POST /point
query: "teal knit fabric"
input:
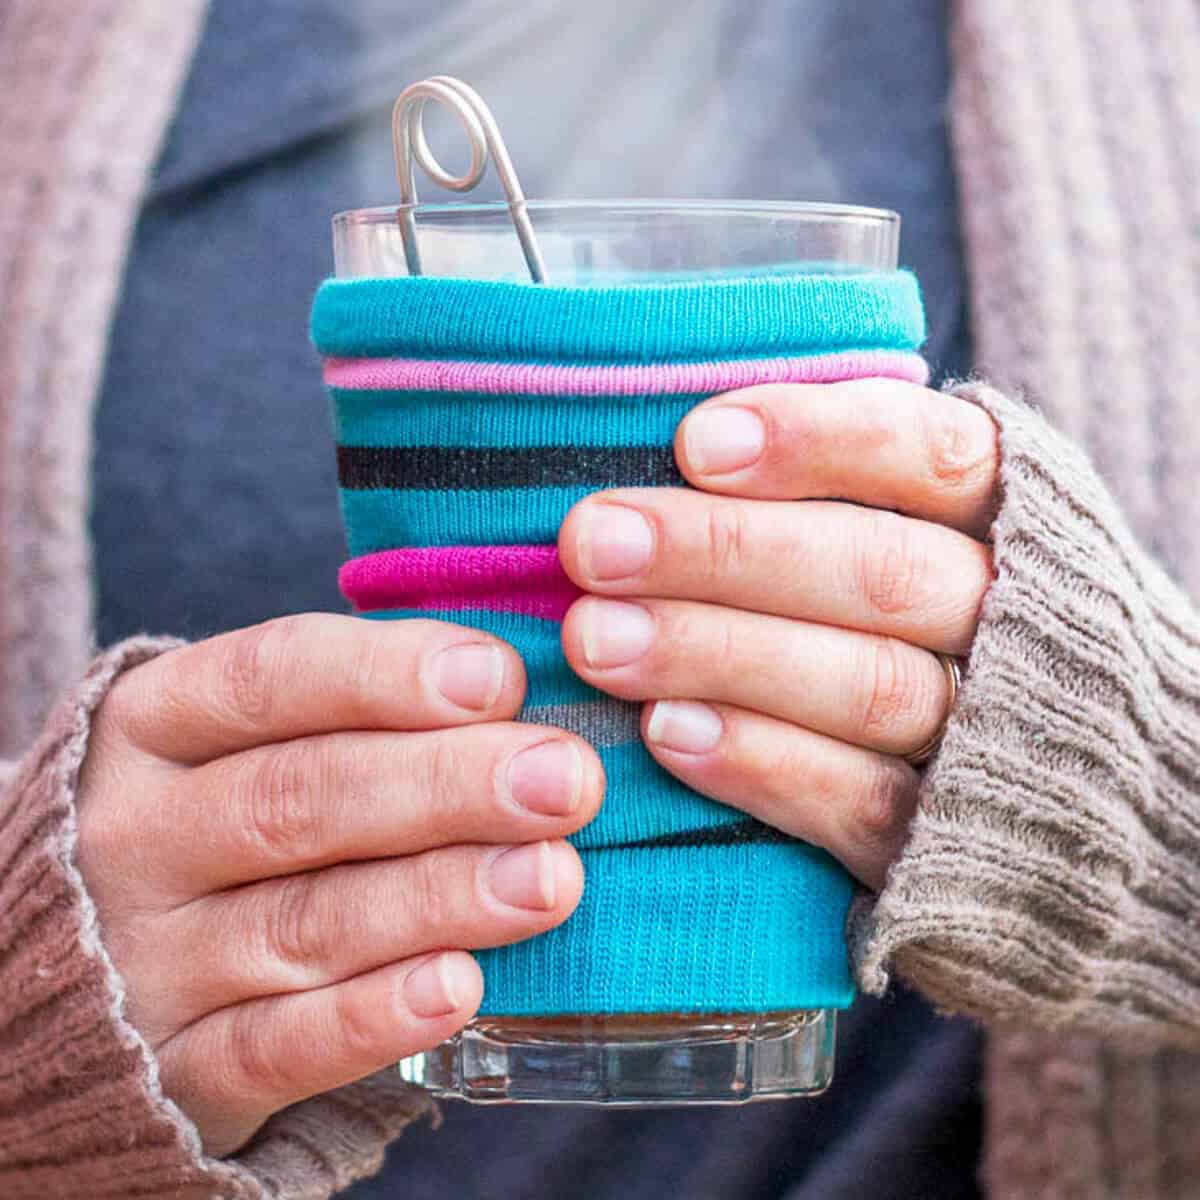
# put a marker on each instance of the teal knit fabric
(688, 905)
(722, 317)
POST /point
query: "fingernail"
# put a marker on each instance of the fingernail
(719, 440)
(615, 633)
(685, 726)
(547, 778)
(524, 877)
(470, 675)
(436, 987)
(614, 542)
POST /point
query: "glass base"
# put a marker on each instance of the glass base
(632, 1060)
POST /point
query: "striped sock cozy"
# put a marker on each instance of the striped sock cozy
(470, 416)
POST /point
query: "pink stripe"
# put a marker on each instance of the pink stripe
(517, 579)
(548, 379)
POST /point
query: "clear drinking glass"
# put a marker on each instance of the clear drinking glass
(653, 1058)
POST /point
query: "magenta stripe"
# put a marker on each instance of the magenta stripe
(519, 579)
(547, 379)
(549, 606)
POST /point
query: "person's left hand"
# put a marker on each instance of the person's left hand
(788, 625)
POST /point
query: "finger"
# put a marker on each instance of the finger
(879, 442)
(311, 802)
(233, 1069)
(868, 690)
(855, 803)
(314, 673)
(306, 931)
(813, 560)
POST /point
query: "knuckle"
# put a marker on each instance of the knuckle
(249, 668)
(374, 663)
(723, 647)
(690, 645)
(118, 714)
(279, 811)
(879, 812)
(890, 688)
(952, 614)
(137, 703)
(958, 450)
(104, 836)
(890, 570)
(769, 763)
(254, 1068)
(120, 864)
(777, 772)
(427, 889)
(298, 932)
(358, 1029)
(726, 539)
(448, 782)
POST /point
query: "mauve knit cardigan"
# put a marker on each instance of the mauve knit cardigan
(1053, 870)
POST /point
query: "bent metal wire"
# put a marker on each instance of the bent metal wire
(483, 137)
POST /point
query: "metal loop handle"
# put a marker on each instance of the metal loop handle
(483, 137)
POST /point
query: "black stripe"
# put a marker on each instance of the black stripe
(452, 468)
(739, 833)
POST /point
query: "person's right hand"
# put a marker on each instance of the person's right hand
(293, 833)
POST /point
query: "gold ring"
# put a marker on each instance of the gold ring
(954, 677)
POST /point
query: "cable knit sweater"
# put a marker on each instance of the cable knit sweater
(1050, 883)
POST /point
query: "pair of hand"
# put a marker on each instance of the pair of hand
(294, 833)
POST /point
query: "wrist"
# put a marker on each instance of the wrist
(1046, 876)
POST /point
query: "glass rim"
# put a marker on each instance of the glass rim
(812, 210)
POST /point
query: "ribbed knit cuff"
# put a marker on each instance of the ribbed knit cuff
(81, 1112)
(692, 928)
(639, 323)
(1050, 876)
(81, 1109)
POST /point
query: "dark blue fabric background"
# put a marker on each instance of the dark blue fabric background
(215, 499)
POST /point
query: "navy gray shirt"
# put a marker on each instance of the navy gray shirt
(215, 494)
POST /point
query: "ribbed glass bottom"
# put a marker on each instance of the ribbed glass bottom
(632, 1060)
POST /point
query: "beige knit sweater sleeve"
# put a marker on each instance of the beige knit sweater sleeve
(1052, 875)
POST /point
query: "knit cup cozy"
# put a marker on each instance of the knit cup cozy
(469, 417)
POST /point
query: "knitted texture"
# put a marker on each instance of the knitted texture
(1077, 147)
(548, 379)
(77, 138)
(1050, 876)
(82, 1112)
(456, 471)
(1077, 155)
(1075, 739)
(513, 579)
(716, 318)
